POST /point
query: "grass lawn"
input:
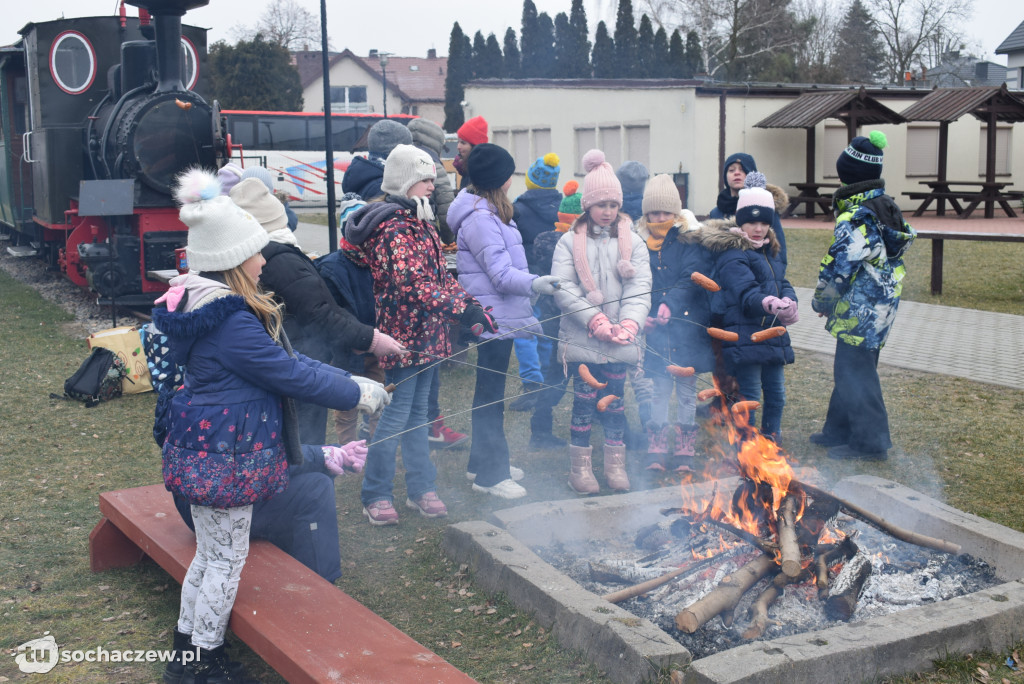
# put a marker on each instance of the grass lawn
(957, 440)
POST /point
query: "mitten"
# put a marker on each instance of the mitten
(789, 315)
(664, 314)
(478, 320)
(772, 305)
(545, 285)
(826, 295)
(601, 327)
(650, 324)
(627, 332)
(372, 395)
(352, 457)
(385, 345)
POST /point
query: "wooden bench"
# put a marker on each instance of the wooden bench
(938, 238)
(300, 624)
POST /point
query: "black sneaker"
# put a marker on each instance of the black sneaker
(547, 441)
(821, 439)
(845, 452)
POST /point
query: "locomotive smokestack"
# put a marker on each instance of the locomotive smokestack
(167, 20)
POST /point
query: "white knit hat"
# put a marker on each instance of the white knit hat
(252, 195)
(405, 167)
(661, 194)
(221, 235)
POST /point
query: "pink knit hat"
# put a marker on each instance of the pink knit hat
(600, 183)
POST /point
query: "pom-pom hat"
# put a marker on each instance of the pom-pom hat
(543, 175)
(661, 194)
(473, 131)
(862, 159)
(569, 208)
(386, 135)
(405, 167)
(221, 235)
(489, 166)
(755, 203)
(600, 184)
(253, 196)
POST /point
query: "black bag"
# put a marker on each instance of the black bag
(97, 379)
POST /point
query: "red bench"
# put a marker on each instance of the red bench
(301, 625)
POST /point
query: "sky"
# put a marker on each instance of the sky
(410, 27)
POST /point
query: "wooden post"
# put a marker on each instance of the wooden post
(940, 205)
(937, 245)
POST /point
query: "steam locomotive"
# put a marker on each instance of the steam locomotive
(97, 117)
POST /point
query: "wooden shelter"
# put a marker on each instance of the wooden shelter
(989, 104)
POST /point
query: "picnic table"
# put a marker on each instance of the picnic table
(810, 194)
(970, 193)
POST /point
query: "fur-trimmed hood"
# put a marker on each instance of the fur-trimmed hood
(717, 236)
(780, 196)
(686, 222)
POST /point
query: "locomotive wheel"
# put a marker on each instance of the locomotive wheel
(108, 280)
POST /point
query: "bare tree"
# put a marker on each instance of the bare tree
(816, 56)
(912, 29)
(285, 23)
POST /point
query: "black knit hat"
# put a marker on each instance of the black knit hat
(489, 166)
(862, 159)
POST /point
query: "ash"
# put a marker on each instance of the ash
(903, 576)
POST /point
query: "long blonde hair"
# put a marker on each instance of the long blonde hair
(499, 198)
(262, 303)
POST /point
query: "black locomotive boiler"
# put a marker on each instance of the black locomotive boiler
(97, 117)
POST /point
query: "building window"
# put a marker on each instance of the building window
(348, 99)
(586, 139)
(499, 136)
(541, 143)
(1004, 138)
(638, 144)
(835, 142)
(922, 151)
(521, 150)
(611, 145)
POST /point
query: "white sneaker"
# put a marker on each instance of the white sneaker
(517, 474)
(506, 489)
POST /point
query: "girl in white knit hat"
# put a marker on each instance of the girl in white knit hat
(605, 295)
(230, 434)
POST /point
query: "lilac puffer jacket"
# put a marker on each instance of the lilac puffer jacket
(492, 265)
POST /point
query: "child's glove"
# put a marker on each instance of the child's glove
(773, 305)
(385, 345)
(626, 332)
(790, 314)
(826, 295)
(664, 314)
(372, 395)
(352, 457)
(478, 320)
(601, 328)
(545, 285)
(650, 324)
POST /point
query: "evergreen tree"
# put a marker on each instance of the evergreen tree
(677, 56)
(661, 66)
(254, 74)
(603, 56)
(459, 71)
(625, 41)
(563, 43)
(512, 66)
(529, 41)
(579, 51)
(645, 59)
(860, 51)
(494, 56)
(487, 60)
(693, 62)
(545, 63)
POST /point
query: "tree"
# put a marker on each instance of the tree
(661, 67)
(545, 57)
(459, 71)
(625, 41)
(487, 59)
(646, 60)
(603, 56)
(254, 74)
(563, 44)
(677, 57)
(694, 58)
(579, 50)
(910, 30)
(285, 23)
(816, 57)
(511, 59)
(529, 40)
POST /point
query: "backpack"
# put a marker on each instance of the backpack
(97, 379)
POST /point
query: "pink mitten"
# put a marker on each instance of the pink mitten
(352, 456)
(664, 314)
(789, 315)
(650, 324)
(627, 332)
(601, 327)
(772, 305)
(385, 345)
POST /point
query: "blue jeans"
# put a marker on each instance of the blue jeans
(753, 379)
(529, 360)
(407, 411)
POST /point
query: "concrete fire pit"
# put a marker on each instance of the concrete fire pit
(632, 649)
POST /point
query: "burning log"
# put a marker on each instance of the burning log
(644, 587)
(842, 599)
(758, 611)
(823, 561)
(788, 545)
(726, 595)
(883, 524)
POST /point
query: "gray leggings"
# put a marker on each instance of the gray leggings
(208, 592)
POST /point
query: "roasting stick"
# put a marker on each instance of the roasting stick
(644, 587)
(881, 523)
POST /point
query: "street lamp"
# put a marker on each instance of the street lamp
(383, 56)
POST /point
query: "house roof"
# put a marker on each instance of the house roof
(1013, 42)
(949, 104)
(810, 108)
(957, 71)
(414, 79)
